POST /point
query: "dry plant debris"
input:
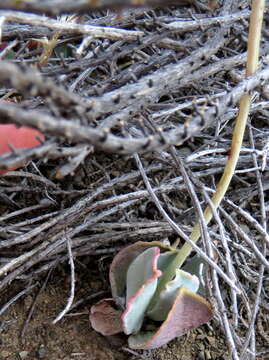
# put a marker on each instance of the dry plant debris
(115, 84)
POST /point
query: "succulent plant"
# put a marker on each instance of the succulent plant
(153, 301)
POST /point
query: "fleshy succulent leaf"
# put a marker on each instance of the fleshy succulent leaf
(105, 319)
(141, 281)
(188, 312)
(167, 297)
(197, 266)
(163, 263)
(165, 259)
(142, 269)
(147, 284)
(120, 264)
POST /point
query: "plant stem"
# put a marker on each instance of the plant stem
(254, 36)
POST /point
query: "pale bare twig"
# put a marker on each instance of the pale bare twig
(208, 21)
(72, 282)
(179, 231)
(72, 27)
(251, 335)
(111, 143)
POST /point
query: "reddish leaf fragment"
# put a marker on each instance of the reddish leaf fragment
(105, 319)
(18, 138)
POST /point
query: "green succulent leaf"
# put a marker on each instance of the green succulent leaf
(121, 263)
(141, 283)
(197, 266)
(147, 284)
(167, 297)
(165, 259)
(169, 273)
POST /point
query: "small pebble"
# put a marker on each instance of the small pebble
(23, 354)
(41, 352)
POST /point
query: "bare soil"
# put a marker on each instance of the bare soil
(73, 339)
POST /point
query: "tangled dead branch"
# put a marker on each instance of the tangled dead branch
(170, 76)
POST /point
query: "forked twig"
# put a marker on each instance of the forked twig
(94, 31)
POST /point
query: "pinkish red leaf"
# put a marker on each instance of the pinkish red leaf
(188, 312)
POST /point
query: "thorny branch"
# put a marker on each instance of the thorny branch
(56, 7)
(105, 141)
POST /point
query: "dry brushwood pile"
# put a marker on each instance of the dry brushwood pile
(119, 94)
